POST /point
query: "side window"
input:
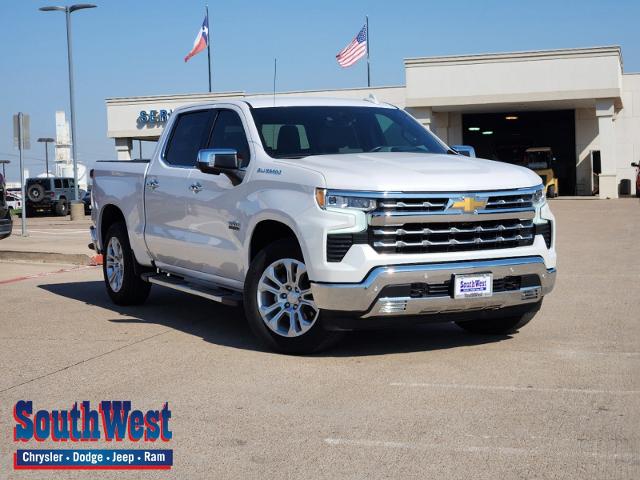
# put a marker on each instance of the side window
(57, 183)
(229, 133)
(65, 183)
(189, 135)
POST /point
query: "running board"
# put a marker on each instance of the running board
(221, 295)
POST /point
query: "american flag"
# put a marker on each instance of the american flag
(355, 50)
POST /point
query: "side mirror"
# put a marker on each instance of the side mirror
(635, 165)
(218, 160)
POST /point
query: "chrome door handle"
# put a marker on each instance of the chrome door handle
(195, 187)
(153, 184)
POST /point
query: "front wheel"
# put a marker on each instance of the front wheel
(124, 286)
(279, 304)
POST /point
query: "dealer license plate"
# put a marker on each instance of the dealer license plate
(473, 286)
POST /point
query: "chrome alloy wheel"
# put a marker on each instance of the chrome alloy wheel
(285, 302)
(115, 264)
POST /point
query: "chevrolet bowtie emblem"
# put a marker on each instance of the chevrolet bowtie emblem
(469, 204)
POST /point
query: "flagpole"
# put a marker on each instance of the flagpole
(368, 64)
(206, 8)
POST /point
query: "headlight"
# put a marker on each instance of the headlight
(326, 199)
(539, 198)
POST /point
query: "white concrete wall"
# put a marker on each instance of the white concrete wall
(586, 141)
(627, 129)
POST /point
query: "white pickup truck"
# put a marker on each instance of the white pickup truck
(323, 216)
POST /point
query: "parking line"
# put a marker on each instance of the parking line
(513, 388)
(45, 274)
(631, 457)
(60, 231)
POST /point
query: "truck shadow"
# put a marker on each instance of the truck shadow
(227, 326)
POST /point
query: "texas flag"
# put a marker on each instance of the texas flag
(202, 39)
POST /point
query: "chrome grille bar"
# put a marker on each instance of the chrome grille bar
(452, 242)
(451, 230)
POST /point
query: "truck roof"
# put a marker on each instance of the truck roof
(265, 101)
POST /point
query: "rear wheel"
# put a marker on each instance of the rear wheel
(279, 304)
(124, 286)
(498, 326)
(62, 208)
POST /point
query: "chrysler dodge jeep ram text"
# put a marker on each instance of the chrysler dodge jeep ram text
(323, 216)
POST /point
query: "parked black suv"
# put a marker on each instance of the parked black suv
(5, 215)
(51, 194)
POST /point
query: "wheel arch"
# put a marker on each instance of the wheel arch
(109, 215)
(266, 232)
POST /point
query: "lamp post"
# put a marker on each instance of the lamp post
(4, 163)
(68, 10)
(46, 141)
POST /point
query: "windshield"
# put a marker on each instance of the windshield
(296, 132)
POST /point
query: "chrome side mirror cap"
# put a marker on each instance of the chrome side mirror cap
(218, 160)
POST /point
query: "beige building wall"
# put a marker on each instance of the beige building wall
(627, 128)
(439, 90)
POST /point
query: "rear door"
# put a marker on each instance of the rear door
(213, 203)
(167, 189)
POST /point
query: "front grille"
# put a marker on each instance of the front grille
(501, 202)
(451, 236)
(413, 205)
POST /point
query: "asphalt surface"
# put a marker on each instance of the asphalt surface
(560, 399)
(49, 239)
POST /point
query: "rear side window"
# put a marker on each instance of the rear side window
(228, 132)
(189, 135)
(57, 183)
(65, 183)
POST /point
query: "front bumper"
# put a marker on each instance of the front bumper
(94, 239)
(365, 299)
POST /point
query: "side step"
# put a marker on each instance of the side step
(221, 295)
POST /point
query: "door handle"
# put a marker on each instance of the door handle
(196, 187)
(153, 184)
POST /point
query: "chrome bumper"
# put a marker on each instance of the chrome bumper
(364, 296)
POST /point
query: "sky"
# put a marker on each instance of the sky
(132, 48)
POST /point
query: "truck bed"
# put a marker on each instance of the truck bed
(121, 183)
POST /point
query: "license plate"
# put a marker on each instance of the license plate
(473, 286)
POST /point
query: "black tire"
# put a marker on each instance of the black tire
(134, 290)
(499, 326)
(62, 208)
(35, 193)
(313, 340)
(551, 191)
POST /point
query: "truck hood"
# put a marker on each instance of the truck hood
(420, 172)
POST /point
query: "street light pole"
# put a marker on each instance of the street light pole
(68, 10)
(4, 162)
(46, 141)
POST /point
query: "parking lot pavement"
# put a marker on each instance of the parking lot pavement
(49, 239)
(560, 399)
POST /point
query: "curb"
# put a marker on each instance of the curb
(49, 257)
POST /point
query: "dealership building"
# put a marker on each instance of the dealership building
(579, 102)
